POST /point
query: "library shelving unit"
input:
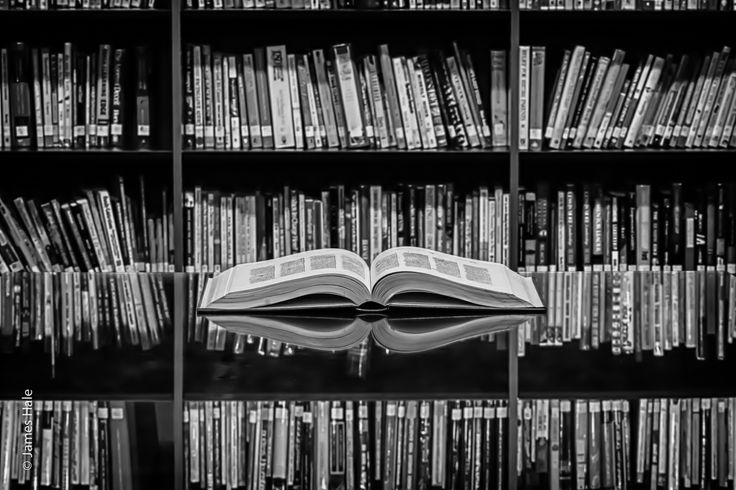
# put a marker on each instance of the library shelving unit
(467, 370)
(141, 379)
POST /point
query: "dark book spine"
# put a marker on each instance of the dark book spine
(20, 97)
(571, 227)
(117, 122)
(142, 99)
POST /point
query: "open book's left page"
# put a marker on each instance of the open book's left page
(330, 272)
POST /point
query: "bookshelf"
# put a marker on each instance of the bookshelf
(179, 376)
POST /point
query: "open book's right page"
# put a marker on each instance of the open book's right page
(449, 276)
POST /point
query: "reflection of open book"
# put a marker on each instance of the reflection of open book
(398, 277)
(403, 335)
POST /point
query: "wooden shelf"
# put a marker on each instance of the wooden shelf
(290, 396)
(640, 152)
(68, 14)
(74, 396)
(74, 153)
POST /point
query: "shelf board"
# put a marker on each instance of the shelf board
(342, 152)
(626, 394)
(333, 157)
(524, 395)
(75, 152)
(87, 157)
(228, 14)
(607, 14)
(641, 152)
(115, 14)
(291, 396)
(314, 169)
(128, 397)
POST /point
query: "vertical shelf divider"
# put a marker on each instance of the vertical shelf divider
(179, 276)
(513, 220)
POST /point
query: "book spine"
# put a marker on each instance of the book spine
(536, 97)
(280, 98)
(524, 96)
(117, 103)
(103, 116)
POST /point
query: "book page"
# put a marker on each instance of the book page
(474, 273)
(258, 275)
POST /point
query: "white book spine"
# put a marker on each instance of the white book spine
(227, 104)
(295, 102)
(422, 100)
(524, 79)
(347, 82)
(198, 96)
(280, 95)
(112, 232)
(724, 107)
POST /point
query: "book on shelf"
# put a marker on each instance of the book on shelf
(224, 229)
(349, 4)
(345, 444)
(628, 5)
(68, 311)
(562, 443)
(634, 312)
(336, 98)
(71, 98)
(645, 227)
(79, 271)
(622, 101)
(100, 230)
(68, 444)
(647, 268)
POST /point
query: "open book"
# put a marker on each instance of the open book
(398, 277)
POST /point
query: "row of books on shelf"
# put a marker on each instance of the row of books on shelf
(67, 444)
(94, 308)
(636, 312)
(222, 230)
(561, 227)
(350, 4)
(583, 444)
(101, 229)
(643, 227)
(625, 313)
(627, 5)
(620, 101)
(67, 97)
(272, 99)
